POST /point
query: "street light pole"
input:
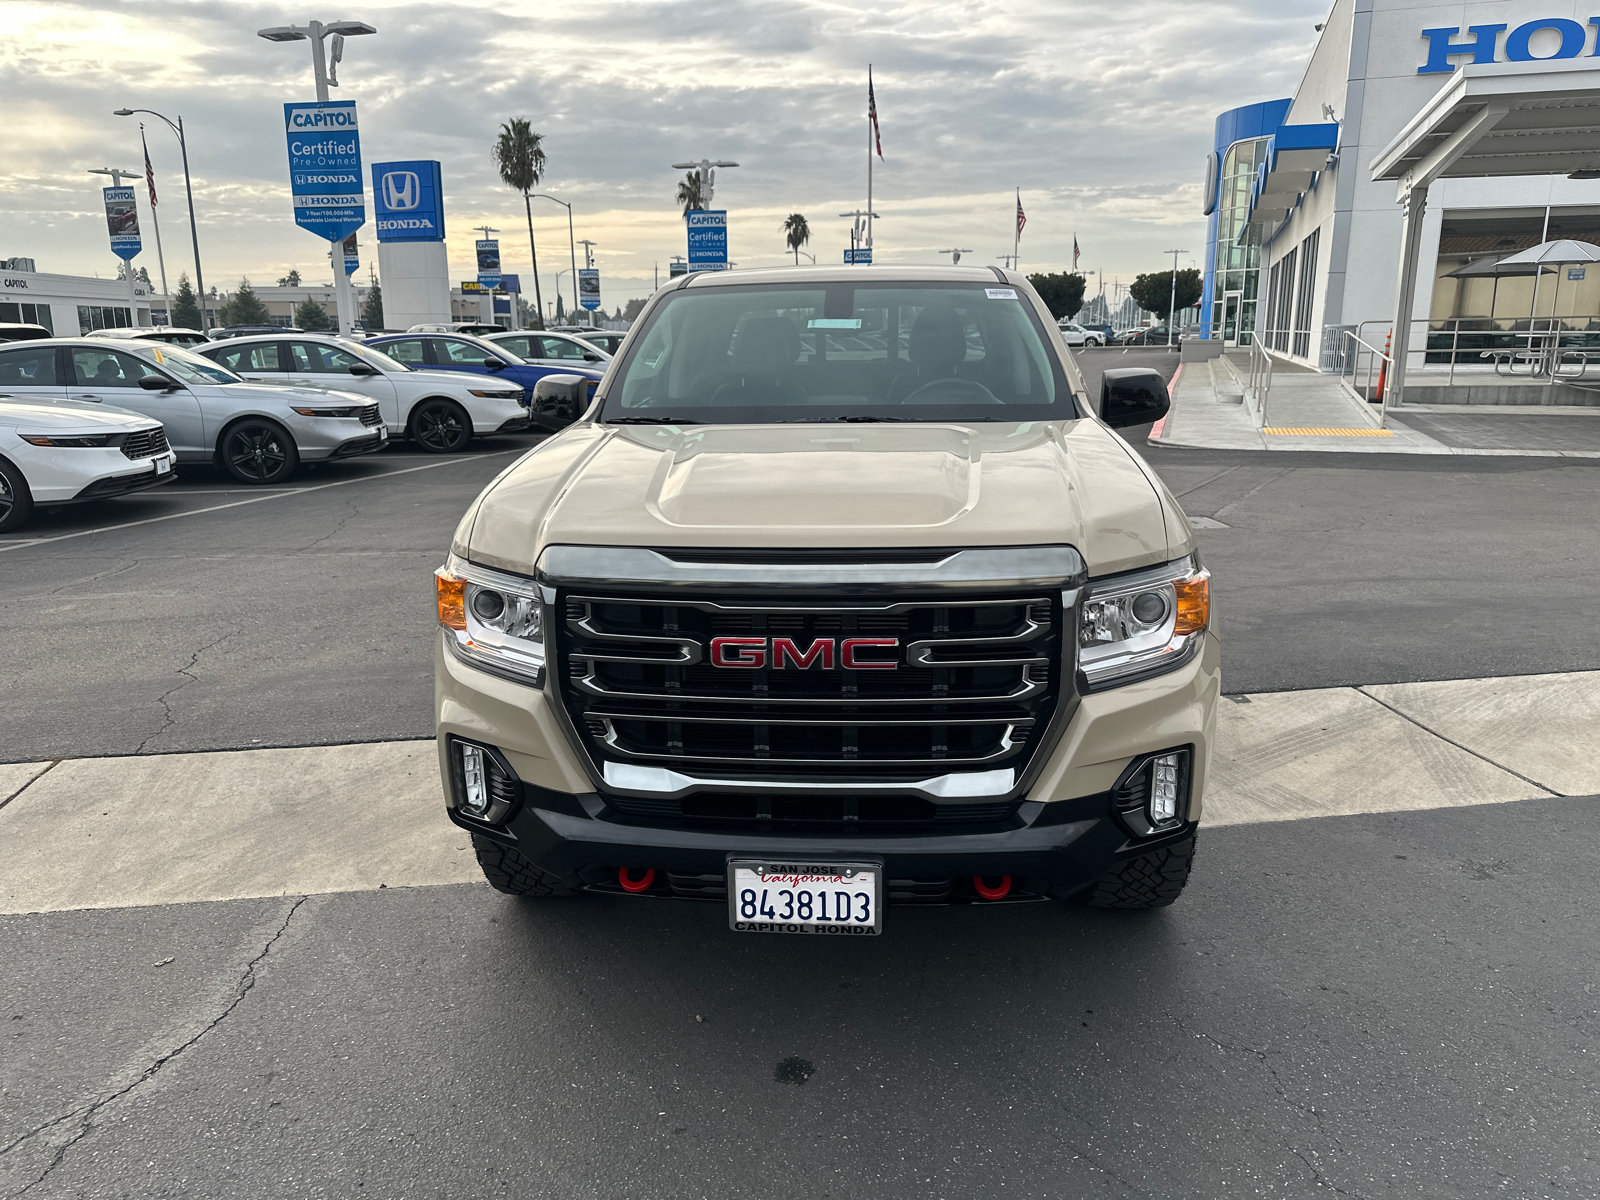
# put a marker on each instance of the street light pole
(314, 32)
(1173, 299)
(708, 176)
(188, 188)
(127, 263)
(572, 248)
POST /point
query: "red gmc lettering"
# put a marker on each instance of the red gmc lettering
(785, 648)
(747, 652)
(848, 660)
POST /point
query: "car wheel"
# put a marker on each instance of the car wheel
(256, 450)
(1152, 880)
(510, 871)
(16, 500)
(440, 426)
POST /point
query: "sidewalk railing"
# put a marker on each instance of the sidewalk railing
(1365, 369)
(1258, 382)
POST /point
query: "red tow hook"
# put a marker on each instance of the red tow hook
(988, 893)
(629, 884)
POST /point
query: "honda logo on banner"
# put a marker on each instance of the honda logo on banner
(402, 191)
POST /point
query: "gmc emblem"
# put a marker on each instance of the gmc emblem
(754, 653)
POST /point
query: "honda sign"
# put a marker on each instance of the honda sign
(408, 201)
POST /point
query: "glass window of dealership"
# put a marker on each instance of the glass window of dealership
(1296, 257)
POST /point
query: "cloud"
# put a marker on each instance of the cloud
(1100, 117)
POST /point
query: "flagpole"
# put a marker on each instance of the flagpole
(869, 163)
(1016, 237)
(155, 223)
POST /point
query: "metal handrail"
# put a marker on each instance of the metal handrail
(1378, 366)
(1259, 380)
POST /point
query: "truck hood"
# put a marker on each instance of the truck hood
(828, 486)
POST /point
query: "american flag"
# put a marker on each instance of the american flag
(149, 171)
(872, 114)
(1022, 217)
(1074, 252)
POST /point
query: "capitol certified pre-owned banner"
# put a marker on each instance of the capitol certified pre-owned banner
(708, 239)
(589, 287)
(122, 220)
(325, 168)
(489, 263)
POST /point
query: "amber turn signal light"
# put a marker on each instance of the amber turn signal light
(451, 593)
(1194, 603)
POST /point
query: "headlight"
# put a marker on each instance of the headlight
(494, 620)
(353, 410)
(496, 395)
(1143, 624)
(92, 439)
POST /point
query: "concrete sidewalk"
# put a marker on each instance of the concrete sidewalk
(1305, 410)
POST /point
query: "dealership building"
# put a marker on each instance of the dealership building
(1423, 140)
(69, 305)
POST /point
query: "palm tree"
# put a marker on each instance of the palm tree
(796, 233)
(519, 157)
(689, 192)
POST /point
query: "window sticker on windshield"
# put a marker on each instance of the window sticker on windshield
(834, 323)
(1000, 293)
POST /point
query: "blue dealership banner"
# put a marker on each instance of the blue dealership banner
(708, 239)
(352, 255)
(408, 201)
(122, 221)
(589, 287)
(858, 257)
(489, 262)
(325, 168)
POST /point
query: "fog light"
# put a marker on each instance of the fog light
(1152, 796)
(1164, 788)
(485, 786)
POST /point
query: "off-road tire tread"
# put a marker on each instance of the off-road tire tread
(1152, 880)
(508, 870)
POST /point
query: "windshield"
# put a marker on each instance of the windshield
(771, 353)
(374, 356)
(189, 367)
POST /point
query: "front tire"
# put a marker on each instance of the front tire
(1152, 880)
(16, 500)
(510, 871)
(440, 426)
(258, 451)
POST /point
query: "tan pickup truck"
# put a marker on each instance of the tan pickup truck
(839, 594)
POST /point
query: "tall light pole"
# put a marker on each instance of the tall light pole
(314, 32)
(188, 187)
(127, 263)
(1008, 259)
(572, 247)
(858, 230)
(708, 176)
(955, 256)
(1172, 317)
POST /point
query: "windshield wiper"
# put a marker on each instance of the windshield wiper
(652, 421)
(853, 417)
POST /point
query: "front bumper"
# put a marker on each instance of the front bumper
(322, 438)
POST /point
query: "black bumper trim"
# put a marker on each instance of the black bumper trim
(118, 485)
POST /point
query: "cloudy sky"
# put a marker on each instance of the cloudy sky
(1101, 113)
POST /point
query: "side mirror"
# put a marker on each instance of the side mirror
(363, 369)
(494, 364)
(157, 383)
(590, 356)
(559, 400)
(1132, 396)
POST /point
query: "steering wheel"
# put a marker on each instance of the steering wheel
(974, 390)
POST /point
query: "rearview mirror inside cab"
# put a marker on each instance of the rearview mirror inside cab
(1132, 396)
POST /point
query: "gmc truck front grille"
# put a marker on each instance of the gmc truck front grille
(810, 688)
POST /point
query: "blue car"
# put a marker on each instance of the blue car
(465, 352)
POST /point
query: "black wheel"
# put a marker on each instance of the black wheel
(508, 870)
(1153, 880)
(16, 501)
(256, 450)
(440, 426)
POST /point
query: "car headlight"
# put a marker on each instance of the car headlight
(499, 394)
(82, 440)
(493, 620)
(349, 410)
(1143, 624)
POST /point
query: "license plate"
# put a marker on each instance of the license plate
(383, 433)
(163, 465)
(844, 899)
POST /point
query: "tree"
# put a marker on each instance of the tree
(632, 311)
(519, 156)
(245, 308)
(184, 311)
(796, 233)
(292, 279)
(689, 193)
(1153, 291)
(308, 314)
(561, 309)
(1062, 293)
(372, 310)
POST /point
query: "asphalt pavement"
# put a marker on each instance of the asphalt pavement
(1384, 1004)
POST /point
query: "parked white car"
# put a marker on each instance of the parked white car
(1076, 335)
(64, 453)
(439, 410)
(169, 334)
(549, 348)
(259, 433)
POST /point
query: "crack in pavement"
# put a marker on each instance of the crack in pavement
(1430, 731)
(85, 1113)
(169, 720)
(50, 766)
(337, 529)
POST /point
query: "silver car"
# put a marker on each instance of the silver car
(259, 432)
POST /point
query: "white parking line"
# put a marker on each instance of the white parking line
(178, 828)
(278, 495)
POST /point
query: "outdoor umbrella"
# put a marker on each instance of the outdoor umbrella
(1498, 268)
(1562, 252)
